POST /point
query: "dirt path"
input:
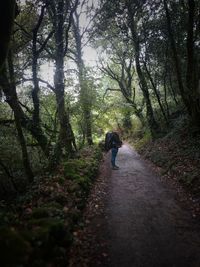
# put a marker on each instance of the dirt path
(139, 225)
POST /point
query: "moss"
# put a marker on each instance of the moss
(47, 229)
(59, 197)
(52, 209)
(50, 239)
(47, 232)
(40, 213)
(143, 141)
(14, 248)
(81, 171)
(53, 205)
(74, 187)
(61, 180)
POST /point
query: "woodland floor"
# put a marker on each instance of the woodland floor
(134, 218)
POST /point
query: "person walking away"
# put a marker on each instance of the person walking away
(116, 143)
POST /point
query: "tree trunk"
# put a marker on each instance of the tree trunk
(190, 95)
(35, 55)
(127, 123)
(12, 100)
(143, 84)
(25, 157)
(192, 85)
(172, 89)
(176, 59)
(65, 135)
(26, 161)
(165, 97)
(156, 93)
(85, 99)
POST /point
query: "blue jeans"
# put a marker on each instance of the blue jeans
(114, 152)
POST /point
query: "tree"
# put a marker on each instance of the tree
(7, 14)
(85, 99)
(126, 16)
(9, 89)
(121, 69)
(189, 90)
(60, 13)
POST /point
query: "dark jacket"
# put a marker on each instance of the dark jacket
(115, 140)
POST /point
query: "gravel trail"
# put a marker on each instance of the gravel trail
(141, 225)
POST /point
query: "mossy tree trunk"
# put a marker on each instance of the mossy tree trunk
(153, 125)
(12, 99)
(85, 97)
(190, 93)
(59, 13)
(22, 141)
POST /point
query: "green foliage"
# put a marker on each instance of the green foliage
(41, 207)
(49, 238)
(143, 141)
(11, 157)
(48, 232)
(38, 226)
(84, 169)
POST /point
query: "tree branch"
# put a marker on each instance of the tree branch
(3, 122)
(69, 26)
(110, 89)
(27, 108)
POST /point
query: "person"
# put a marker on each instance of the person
(116, 143)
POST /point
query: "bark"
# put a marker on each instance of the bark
(165, 98)
(11, 178)
(36, 122)
(176, 59)
(26, 161)
(25, 157)
(172, 89)
(125, 87)
(156, 93)
(65, 134)
(190, 94)
(143, 84)
(192, 86)
(12, 100)
(35, 55)
(85, 99)
(137, 111)
(127, 123)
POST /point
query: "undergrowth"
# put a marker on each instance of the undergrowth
(177, 154)
(36, 229)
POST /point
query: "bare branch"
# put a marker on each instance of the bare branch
(47, 83)
(45, 42)
(24, 106)
(39, 79)
(110, 89)
(69, 25)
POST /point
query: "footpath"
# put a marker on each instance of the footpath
(133, 219)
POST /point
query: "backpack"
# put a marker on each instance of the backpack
(108, 141)
(112, 140)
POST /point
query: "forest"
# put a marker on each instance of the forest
(70, 71)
